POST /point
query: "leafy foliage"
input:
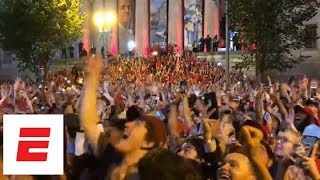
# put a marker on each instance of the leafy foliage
(34, 29)
(275, 27)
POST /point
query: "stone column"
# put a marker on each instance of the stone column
(95, 41)
(88, 27)
(216, 18)
(142, 27)
(211, 18)
(112, 6)
(175, 25)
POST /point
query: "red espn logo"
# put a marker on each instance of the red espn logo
(24, 146)
(33, 144)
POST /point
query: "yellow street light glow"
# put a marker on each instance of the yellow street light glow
(110, 18)
(104, 18)
(98, 19)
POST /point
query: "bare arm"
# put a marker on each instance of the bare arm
(207, 134)
(88, 110)
(253, 137)
(173, 126)
(29, 103)
(277, 101)
(106, 93)
(270, 85)
(187, 113)
(2, 100)
(4, 94)
(109, 98)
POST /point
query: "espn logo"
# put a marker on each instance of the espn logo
(23, 153)
(33, 145)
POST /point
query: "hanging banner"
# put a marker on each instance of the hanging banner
(193, 22)
(158, 23)
(126, 25)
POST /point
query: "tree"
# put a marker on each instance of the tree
(271, 31)
(35, 29)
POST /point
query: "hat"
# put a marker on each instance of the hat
(312, 130)
(133, 113)
(156, 130)
(312, 114)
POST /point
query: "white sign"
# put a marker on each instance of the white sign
(33, 145)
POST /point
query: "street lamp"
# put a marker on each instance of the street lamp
(104, 21)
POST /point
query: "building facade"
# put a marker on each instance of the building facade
(162, 22)
(311, 66)
(150, 21)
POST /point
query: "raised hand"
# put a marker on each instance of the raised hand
(260, 91)
(94, 67)
(105, 86)
(23, 85)
(305, 82)
(177, 98)
(17, 84)
(4, 92)
(269, 80)
(309, 163)
(207, 129)
(252, 137)
(23, 93)
(291, 116)
(275, 96)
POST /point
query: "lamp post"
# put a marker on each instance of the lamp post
(104, 21)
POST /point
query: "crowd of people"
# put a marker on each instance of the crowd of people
(174, 118)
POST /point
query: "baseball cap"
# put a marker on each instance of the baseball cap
(156, 128)
(313, 113)
(312, 130)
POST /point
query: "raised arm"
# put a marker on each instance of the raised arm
(173, 126)
(29, 103)
(4, 94)
(270, 85)
(276, 99)
(88, 109)
(252, 138)
(187, 112)
(106, 93)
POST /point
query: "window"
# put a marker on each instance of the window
(310, 40)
